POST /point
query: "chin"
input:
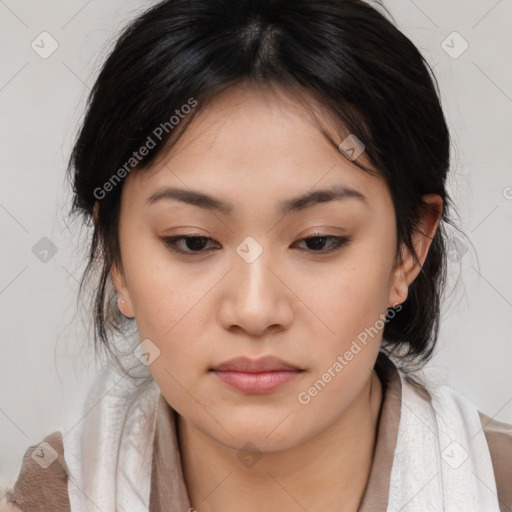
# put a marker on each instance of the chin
(250, 440)
(270, 434)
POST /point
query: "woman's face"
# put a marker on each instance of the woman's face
(254, 287)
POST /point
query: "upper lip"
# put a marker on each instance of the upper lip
(262, 364)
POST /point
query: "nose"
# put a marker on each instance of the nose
(256, 297)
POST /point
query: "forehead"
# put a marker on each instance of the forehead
(258, 140)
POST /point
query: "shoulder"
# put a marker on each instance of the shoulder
(499, 440)
(42, 482)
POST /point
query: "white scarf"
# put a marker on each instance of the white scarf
(441, 462)
(109, 450)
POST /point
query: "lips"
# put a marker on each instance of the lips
(263, 364)
(256, 376)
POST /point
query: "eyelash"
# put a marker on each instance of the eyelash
(171, 243)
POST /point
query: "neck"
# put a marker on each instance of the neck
(328, 469)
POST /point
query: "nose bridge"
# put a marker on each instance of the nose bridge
(251, 269)
(256, 297)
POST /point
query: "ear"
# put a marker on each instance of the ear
(407, 270)
(124, 302)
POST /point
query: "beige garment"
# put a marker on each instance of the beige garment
(170, 495)
(45, 490)
(38, 489)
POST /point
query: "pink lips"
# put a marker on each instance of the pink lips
(261, 375)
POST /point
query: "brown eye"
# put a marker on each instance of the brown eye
(190, 245)
(194, 245)
(317, 243)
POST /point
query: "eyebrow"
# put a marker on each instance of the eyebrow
(307, 200)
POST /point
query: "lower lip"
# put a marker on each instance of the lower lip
(263, 382)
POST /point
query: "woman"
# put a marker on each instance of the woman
(267, 185)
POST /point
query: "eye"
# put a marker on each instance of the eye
(194, 245)
(318, 241)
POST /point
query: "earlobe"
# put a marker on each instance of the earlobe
(399, 288)
(409, 268)
(124, 303)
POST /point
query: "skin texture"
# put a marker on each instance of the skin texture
(256, 149)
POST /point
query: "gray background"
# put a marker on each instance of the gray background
(45, 360)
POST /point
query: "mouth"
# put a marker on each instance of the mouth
(256, 376)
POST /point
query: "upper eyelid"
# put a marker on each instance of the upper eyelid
(313, 235)
(339, 241)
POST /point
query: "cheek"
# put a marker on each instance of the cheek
(161, 292)
(351, 302)
(350, 297)
(170, 310)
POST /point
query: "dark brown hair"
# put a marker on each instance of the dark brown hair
(345, 53)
